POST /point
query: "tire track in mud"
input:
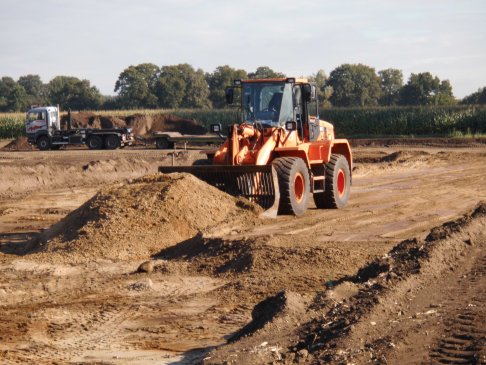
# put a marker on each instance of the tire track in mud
(89, 154)
(387, 200)
(464, 338)
(389, 320)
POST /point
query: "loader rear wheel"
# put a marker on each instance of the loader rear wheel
(293, 183)
(95, 143)
(43, 143)
(112, 142)
(337, 184)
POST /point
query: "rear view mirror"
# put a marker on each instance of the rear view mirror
(309, 93)
(290, 125)
(229, 94)
(215, 128)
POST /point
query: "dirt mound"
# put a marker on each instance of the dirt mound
(419, 141)
(385, 280)
(255, 266)
(281, 306)
(138, 219)
(349, 321)
(398, 157)
(145, 125)
(142, 124)
(19, 144)
(92, 120)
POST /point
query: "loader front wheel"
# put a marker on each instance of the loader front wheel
(294, 185)
(337, 184)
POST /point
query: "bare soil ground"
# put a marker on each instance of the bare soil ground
(396, 277)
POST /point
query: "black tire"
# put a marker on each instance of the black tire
(162, 143)
(293, 183)
(112, 142)
(43, 143)
(337, 185)
(202, 162)
(95, 142)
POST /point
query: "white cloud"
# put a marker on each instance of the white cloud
(98, 39)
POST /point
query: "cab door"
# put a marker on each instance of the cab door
(298, 110)
(36, 121)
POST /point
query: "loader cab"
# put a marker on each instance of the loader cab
(273, 102)
(266, 103)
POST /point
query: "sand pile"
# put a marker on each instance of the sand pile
(138, 219)
(145, 125)
(19, 144)
(142, 125)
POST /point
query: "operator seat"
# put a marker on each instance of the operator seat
(275, 101)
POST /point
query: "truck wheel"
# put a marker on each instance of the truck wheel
(43, 143)
(162, 143)
(337, 185)
(294, 185)
(95, 143)
(112, 142)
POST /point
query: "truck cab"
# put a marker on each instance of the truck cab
(41, 121)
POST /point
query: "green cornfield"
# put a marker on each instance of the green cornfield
(452, 121)
(12, 125)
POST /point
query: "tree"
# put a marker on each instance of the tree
(13, 97)
(71, 92)
(354, 85)
(443, 95)
(479, 97)
(391, 81)
(426, 89)
(324, 91)
(482, 97)
(136, 86)
(181, 86)
(264, 72)
(35, 88)
(218, 80)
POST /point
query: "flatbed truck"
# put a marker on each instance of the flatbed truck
(43, 127)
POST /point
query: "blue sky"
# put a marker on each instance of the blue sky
(98, 39)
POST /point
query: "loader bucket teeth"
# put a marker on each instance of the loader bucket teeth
(259, 184)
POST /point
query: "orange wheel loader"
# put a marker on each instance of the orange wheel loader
(280, 152)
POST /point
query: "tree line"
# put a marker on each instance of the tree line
(148, 86)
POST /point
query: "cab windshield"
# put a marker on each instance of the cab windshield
(36, 115)
(267, 103)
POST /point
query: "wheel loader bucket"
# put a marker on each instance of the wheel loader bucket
(259, 184)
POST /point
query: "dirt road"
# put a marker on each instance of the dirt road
(289, 290)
